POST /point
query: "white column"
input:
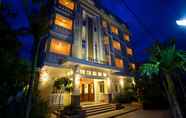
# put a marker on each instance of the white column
(109, 82)
(76, 86)
(77, 44)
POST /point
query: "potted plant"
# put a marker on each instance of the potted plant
(64, 84)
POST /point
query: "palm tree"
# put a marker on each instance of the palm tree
(167, 62)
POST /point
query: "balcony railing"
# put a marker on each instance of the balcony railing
(92, 60)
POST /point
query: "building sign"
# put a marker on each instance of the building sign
(92, 73)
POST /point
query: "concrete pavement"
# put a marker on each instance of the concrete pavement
(146, 114)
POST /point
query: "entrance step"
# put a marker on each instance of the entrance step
(98, 108)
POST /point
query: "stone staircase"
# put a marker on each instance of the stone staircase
(98, 109)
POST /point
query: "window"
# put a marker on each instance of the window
(129, 51)
(132, 66)
(60, 47)
(101, 87)
(63, 22)
(119, 62)
(126, 37)
(106, 40)
(67, 3)
(116, 45)
(114, 29)
(104, 24)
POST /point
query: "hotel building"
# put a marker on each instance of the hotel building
(89, 47)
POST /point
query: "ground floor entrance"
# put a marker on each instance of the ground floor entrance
(86, 89)
(63, 86)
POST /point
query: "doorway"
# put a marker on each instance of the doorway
(86, 89)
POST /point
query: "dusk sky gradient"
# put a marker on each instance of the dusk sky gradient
(156, 19)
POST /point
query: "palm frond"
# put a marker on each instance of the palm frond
(149, 69)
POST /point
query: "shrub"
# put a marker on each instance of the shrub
(72, 111)
(126, 96)
(40, 108)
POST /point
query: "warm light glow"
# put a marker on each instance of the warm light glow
(77, 83)
(121, 82)
(99, 73)
(82, 72)
(106, 40)
(181, 22)
(67, 3)
(133, 66)
(44, 77)
(108, 82)
(94, 73)
(129, 51)
(63, 22)
(126, 37)
(116, 45)
(60, 47)
(104, 24)
(133, 82)
(114, 29)
(104, 74)
(119, 63)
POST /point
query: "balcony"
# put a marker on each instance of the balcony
(91, 60)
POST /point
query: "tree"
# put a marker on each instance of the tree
(14, 72)
(39, 27)
(165, 62)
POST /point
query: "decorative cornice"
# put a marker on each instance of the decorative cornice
(111, 19)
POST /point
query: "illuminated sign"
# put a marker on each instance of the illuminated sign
(93, 73)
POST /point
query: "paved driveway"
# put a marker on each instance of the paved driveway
(146, 114)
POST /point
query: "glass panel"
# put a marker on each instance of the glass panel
(60, 47)
(129, 51)
(126, 37)
(116, 45)
(67, 3)
(104, 24)
(114, 30)
(106, 40)
(133, 66)
(63, 22)
(119, 63)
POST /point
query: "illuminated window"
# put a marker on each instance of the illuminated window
(67, 3)
(104, 24)
(129, 51)
(106, 40)
(114, 30)
(60, 47)
(132, 66)
(63, 22)
(126, 37)
(119, 62)
(116, 45)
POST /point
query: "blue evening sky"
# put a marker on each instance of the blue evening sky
(157, 21)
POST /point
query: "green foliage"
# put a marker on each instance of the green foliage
(40, 108)
(63, 83)
(126, 96)
(149, 69)
(14, 71)
(150, 93)
(164, 58)
(165, 62)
